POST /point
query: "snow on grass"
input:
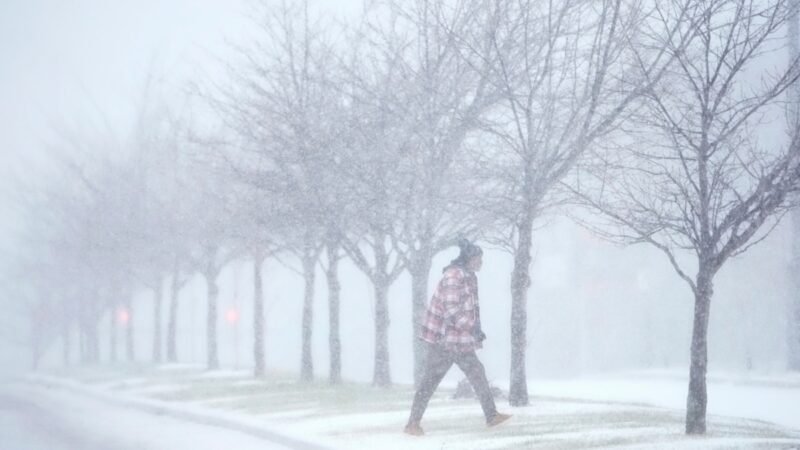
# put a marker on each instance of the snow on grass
(635, 412)
(774, 399)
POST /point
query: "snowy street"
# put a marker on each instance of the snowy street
(25, 425)
(39, 419)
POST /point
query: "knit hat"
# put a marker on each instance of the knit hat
(468, 250)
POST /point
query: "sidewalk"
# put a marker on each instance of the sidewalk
(357, 416)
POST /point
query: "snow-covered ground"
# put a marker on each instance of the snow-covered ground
(635, 410)
(771, 398)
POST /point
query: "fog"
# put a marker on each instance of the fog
(163, 147)
(594, 308)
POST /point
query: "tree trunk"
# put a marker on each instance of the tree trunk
(157, 303)
(66, 341)
(258, 318)
(698, 396)
(172, 346)
(91, 322)
(172, 324)
(382, 374)
(793, 313)
(520, 281)
(306, 362)
(36, 323)
(794, 332)
(211, 322)
(93, 341)
(65, 335)
(112, 343)
(420, 271)
(130, 354)
(334, 340)
(83, 350)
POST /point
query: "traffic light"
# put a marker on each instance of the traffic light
(232, 316)
(123, 316)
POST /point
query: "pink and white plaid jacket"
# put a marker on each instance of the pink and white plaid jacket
(453, 312)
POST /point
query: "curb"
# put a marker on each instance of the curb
(197, 414)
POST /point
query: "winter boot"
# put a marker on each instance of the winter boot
(497, 419)
(413, 429)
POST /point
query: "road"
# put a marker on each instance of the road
(50, 419)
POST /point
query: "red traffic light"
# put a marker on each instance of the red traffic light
(123, 316)
(232, 315)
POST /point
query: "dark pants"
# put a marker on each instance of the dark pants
(437, 364)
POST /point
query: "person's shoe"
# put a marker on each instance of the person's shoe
(413, 429)
(497, 419)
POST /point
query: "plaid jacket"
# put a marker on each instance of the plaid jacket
(453, 314)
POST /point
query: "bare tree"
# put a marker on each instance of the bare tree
(178, 221)
(447, 90)
(263, 225)
(369, 166)
(100, 230)
(280, 108)
(697, 177)
(568, 79)
(212, 238)
(90, 243)
(161, 153)
(31, 321)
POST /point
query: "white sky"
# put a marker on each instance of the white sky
(76, 64)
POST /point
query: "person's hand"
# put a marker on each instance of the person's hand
(480, 336)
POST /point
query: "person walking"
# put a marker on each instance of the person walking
(452, 332)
